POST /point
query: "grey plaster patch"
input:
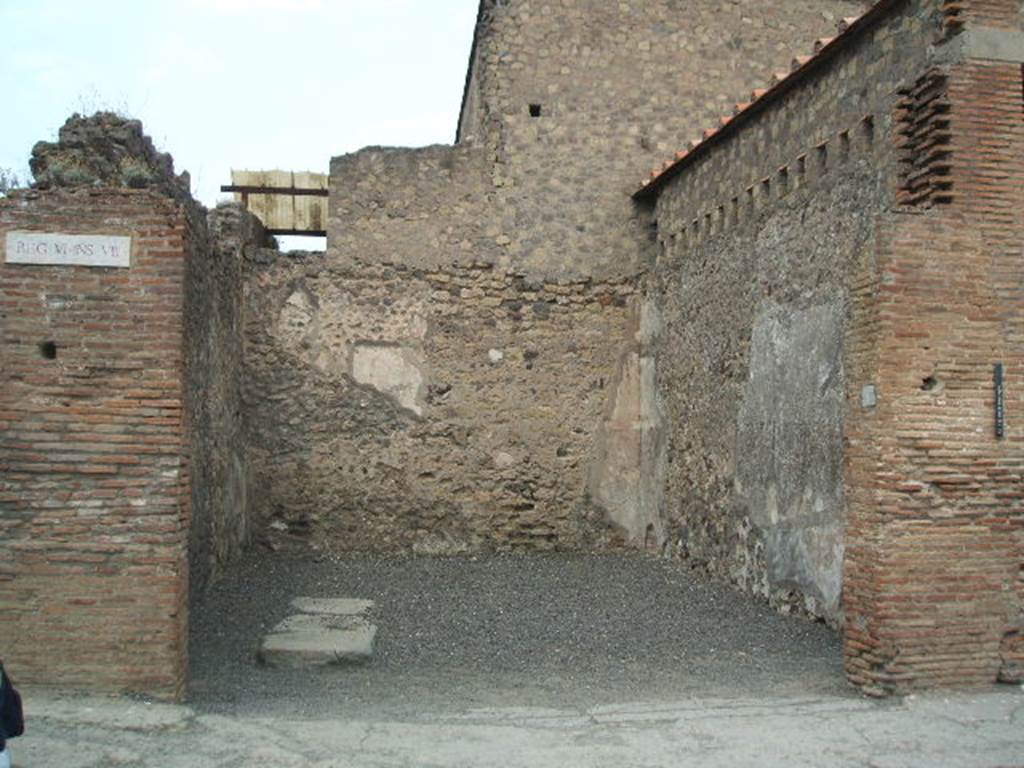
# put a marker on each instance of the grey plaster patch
(441, 545)
(789, 473)
(869, 396)
(298, 314)
(993, 44)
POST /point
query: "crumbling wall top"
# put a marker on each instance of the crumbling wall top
(106, 149)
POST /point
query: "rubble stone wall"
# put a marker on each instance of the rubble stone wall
(760, 242)
(574, 101)
(526, 223)
(616, 88)
(437, 410)
(222, 520)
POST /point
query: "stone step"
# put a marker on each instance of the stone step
(338, 606)
(323, 632)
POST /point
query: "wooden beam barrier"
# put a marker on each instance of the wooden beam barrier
(289, 191)
(303, 232)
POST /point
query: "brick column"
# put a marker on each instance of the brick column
(93, 450)
(934, 591)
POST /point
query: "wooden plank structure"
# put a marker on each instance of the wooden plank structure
(287, 202)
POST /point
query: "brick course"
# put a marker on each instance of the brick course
(934, 581)
(93, 447)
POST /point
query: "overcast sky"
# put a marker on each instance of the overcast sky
(224, 84)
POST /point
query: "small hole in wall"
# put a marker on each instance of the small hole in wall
(783, 177)
(822, 153)
(929, 384)
(535, 110)
(48, 350)
(844, 145)
(867, 126)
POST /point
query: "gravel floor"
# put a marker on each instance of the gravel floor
(484, 631)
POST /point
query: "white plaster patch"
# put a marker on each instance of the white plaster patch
(297, 313)
(394, 371)
(626, 477)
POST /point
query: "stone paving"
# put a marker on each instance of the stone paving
(561, 660)
(489, 631)
(983, 730)
(323, 632)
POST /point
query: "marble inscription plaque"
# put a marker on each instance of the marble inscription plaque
(68, 250)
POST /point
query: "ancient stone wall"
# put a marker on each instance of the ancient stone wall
(565, 107)
(93, 449)
(222, 520)
(423, 208)
(761, 239)
(572, 100)
(837, 287)
(438, 410)
(451, 250)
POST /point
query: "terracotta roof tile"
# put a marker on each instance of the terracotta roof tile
(848, 22)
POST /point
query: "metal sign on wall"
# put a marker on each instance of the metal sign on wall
(54, 249)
